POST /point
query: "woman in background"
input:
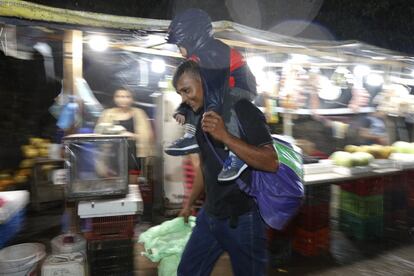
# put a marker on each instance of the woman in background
(137, 128)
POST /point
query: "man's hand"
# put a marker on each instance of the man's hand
(185, 213)
(180, 118)
(213, 124)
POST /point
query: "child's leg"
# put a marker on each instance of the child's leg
(188, 143)
(233, 166)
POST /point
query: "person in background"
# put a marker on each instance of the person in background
(221, 67)
(229, 220)
(137, 128)
(372, 129)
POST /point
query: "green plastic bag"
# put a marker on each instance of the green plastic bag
(166, 239)
(168, 265)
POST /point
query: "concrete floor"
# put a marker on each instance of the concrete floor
(391, 256)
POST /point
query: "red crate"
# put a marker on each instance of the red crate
(113, 227)
(395, 218)
(313, 243)
(410, 177)
(410, 201)
(286, 233)
(365, 186)
(395, 182)
(313, 217)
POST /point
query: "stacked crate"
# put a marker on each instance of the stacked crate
(395, 205)
(362, 208)
(109, 227)
(312, 231)
(409, 219)
(279, 244)
(111, 257)
(110, 244)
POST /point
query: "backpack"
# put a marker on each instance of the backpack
(278, 194)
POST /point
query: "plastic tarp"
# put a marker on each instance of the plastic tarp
(233, 33)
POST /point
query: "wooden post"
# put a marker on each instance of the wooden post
(72, 69)
(72, 60)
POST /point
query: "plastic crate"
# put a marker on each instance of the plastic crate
(362, 206)
(395, 182)
(365, 186)
(395, 200)
(361, 228)
(11, 227)
(317, 194)
(410, 177)
(313, 217)
(396, 225)
(109, 227)
(280, 252)
(111, 257)
(287, 232)
(311, 243)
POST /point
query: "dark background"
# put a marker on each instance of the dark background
(385, 23)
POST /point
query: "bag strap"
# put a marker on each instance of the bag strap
(242, 185)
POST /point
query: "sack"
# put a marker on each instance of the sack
(168, 238)
(278, 195)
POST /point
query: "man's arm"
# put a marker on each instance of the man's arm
(259, 157)
(196, 191)
(367, 134)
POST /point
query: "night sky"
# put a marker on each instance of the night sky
(384, 23)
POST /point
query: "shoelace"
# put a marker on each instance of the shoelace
(182, 139)
(231, 162)
(228, 163)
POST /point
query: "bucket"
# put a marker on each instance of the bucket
(21, 259)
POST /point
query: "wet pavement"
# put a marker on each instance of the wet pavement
(347, 256)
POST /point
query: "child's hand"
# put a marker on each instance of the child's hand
(180, 118)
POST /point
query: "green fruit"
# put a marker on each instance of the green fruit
(342, 158)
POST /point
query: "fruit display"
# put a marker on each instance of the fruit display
(347, 159)
(6, 179)
(403, 147)
(377, 151)
(37, 147)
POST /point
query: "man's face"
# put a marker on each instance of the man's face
(191, 91)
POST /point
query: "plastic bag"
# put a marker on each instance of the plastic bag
(166, 239)
(168, 265)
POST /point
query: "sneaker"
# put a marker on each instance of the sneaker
(232, 168)
(183, 146)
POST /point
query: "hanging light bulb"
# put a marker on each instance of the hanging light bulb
(98, 43)
(158, 66)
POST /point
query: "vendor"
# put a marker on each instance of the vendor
(372, 129)
(137, 128)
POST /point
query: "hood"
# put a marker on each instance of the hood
(190, 29)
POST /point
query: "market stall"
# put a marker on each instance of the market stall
(314, 92)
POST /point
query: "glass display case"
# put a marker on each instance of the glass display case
(97, 166)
